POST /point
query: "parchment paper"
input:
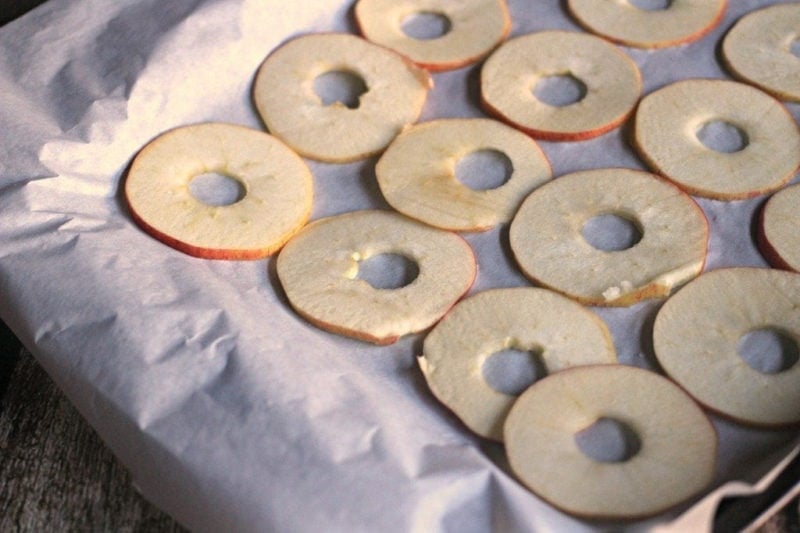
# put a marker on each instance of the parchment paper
(230, 411)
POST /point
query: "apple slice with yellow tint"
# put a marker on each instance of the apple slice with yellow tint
(435, 34)
(422, 173)
(515, 77)
(610, 441)
(322, 271)
(730, 338)
(271, 200)
(391, 92)
(778, 235)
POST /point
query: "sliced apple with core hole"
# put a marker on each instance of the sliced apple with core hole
(702, 333)
(418, 173)
(471, 29)
(664, 245)
(762, 48)
(393, 94)
(550, 328)
(219, 191)
(665, 449)
(778, 235)
(510, 75)
(669, 127)
(320, 271)
(649, 24)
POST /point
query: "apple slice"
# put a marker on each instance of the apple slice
(611, 81)
(673, 23)
(671, 457)
(319, 270)
(537, 321)
(284, 94)
(699, 338)
(474, 28)
(778, 237)
(547, 237)
(276, 183)
(758, 50)
(417, 173)
(670, 123)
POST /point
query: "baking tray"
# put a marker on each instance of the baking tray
(229, 410)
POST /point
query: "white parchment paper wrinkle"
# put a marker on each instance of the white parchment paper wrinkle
(230, 411)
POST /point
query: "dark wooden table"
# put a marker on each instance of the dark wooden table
(55, 472)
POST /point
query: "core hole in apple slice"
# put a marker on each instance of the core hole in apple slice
(426, 25)
(722, 136)
(512, 370)
(484, 169)
(610, 232)
(217, 188)
(769, 350)
(388, 271)
(794, 48)
(559, 90)
(651, 5)
(342, 86)
(608, 440)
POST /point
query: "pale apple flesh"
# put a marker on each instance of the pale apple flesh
(318, 270)
(681, 22)
(417, 173)
(276, 204)
(285, 98)
(562, 332)
(665, 135)
(510, 74)
(758, 50)
(697, 335)
(778, 235)
(547, 241)
(674, 461)
(476, 27)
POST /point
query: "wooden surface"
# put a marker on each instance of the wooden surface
(55, 473)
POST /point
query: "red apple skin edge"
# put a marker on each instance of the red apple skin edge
(765, 247)
(232, 254)
(544, 135)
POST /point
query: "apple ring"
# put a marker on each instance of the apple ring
(758, 50)
(547, 241)
(668, 122)
(675, 458)
(417, 176)
(476, 27)
(697, 336)
(778, 237)
(681, 22)
(277, 187)
(319, 271)
(510, 75)
(285, 97)
(561, 331)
